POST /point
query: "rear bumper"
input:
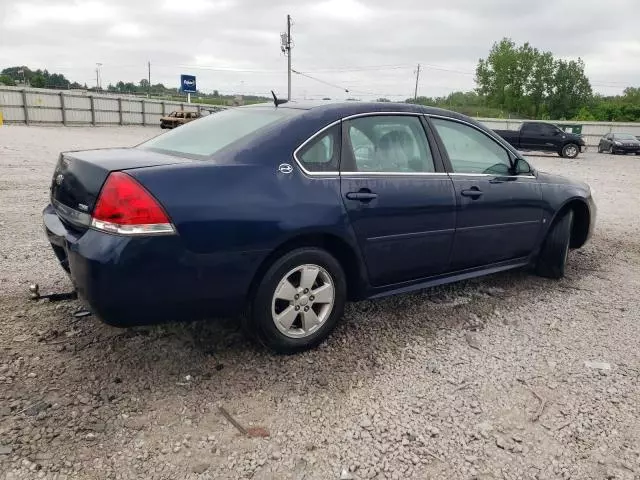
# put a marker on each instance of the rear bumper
(145, 280)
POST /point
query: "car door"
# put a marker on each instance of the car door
(499, 214)
(400, 201)
(541, 137)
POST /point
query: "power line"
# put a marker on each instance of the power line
(320, 81)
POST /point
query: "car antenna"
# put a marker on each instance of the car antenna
(278, 101)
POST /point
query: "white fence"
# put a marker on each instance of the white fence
(65, 107)
(41, 106)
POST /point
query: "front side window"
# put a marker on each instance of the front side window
(322, 154)
(471, 151)
(387, 143)
(549, 129)
(214, 132)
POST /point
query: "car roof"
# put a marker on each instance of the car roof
(348, 108)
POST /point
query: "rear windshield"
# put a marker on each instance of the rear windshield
(212, 133)
(624, 136)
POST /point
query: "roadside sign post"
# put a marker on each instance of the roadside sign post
(188, 85)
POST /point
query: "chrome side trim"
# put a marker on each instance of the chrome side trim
(489, 175)
(133, 230)
(382, 114)
(394, 174)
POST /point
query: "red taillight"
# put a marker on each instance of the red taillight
(126, 207)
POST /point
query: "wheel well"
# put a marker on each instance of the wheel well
(341, 250)
(581, 220)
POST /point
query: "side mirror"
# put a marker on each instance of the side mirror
(522, 167)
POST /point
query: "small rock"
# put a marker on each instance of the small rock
(5, 450)
(31, 375)
(471, 458)
(493, 291)
(472, 340)
(346, 475)
(21, 338)
(90, 436)
(276, 455)
(200, 468)
(598, 365)
(36, 408)
(365, 423)
(504, 443)
(433, 366)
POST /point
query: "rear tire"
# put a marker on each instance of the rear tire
(570, 150)
(268, 303)
(599, 148)
(553, 256)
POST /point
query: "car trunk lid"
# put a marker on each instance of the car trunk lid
(79, 176)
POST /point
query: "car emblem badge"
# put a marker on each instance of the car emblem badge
(285, 168)
(59, 179)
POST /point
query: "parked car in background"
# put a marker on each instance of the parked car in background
(619, 143)
(282, 214)
(175, 119)
(544, 137)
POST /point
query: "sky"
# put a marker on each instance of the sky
(370, 48)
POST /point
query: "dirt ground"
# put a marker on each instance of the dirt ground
(506, 377)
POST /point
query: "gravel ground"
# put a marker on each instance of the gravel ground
(507, 377)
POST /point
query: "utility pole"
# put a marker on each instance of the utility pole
(289, 57)
(149, 84)
(98, 79)
(285, 46)
(415, 95)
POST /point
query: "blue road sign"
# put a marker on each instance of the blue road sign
(188, 83)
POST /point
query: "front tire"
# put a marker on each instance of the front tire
(555, 249)
(298, 301)
(570, 150)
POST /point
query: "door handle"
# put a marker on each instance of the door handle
(362, 196)
(473, 192)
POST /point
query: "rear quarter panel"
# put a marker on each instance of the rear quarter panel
(244, 207)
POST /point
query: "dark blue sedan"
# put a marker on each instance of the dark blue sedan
(281, 214)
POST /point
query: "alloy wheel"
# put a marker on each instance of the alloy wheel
(303, 301)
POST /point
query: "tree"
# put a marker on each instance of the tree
(527, 81)
(571, 89)
(383, 100)
(144, 84)
(7, 80)
(38, 81)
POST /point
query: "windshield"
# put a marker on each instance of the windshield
(212, 133)
(624, 136)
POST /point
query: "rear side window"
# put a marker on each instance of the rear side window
(212, 133)
(387, 143)
(322, 153)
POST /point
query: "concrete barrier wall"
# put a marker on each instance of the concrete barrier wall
(55, 107)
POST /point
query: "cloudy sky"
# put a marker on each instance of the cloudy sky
(370, 47)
